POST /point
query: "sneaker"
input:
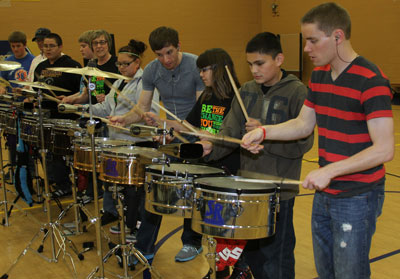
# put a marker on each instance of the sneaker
(134, 261)
(222, 274)
(130, 238)
(60, 193)
(108, 218)
(187, 253)
(116, 230)
(239, 273)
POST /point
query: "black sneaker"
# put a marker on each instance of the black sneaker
(108, 218)
(239, 273)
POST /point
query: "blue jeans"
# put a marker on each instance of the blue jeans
(273, 257)
(342, 230)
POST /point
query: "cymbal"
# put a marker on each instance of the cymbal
(41, 85)
(9, 65)
(4, 82)
(89, 71)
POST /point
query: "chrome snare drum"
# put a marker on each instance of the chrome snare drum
(234, 207)
(126, 165)
(83, 151)
(170, 188)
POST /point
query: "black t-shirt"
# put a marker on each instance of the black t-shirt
(208, 114)
(101, 87)
(59, 79)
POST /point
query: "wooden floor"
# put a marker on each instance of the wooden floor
(385, 252)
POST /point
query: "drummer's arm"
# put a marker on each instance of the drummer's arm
(137, 113)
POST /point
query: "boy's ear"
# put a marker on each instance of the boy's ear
(279, 59)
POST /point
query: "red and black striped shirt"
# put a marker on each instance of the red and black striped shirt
(343, 107)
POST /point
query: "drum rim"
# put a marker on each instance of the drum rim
(200, 186)
(151, 169)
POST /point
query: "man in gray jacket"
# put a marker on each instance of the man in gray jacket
(272, 97)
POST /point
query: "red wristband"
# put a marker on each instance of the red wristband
(264, 132)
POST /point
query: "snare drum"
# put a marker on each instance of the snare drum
(126, 165)
(170, 188)
(83, 151)
(234, 207)
(62, 135)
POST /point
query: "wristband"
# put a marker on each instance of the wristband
(264, 131)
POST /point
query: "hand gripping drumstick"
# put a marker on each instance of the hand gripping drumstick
(176, 118)
(246, 116)
(216, 137)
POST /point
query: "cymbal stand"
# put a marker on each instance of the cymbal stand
(56, 234)
(127, 249)
(3, 181)
(91, 125)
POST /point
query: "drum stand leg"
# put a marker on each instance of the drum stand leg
(212, 256)
(3, 182)
(128, 249)
(50, 229)
(39, 181)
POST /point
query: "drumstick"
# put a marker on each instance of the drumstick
(274, 181)
(119, 92)
(237, 94)
(176, 118)
(216, 137)
(51, 98)
(105, 120)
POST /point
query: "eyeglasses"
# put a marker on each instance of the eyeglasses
(101, 43)
(49, 46)
(123, 64)
(205, 69)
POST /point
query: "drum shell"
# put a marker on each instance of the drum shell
(125, 165)
(3, 113)
(240, 215)
(83, 151)
(171, 193)
(62, 135)
(30, 131)
(10, 123)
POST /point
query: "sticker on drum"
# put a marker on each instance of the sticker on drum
(83, 151)
(170, 188)
(126, 164)
(234, 207)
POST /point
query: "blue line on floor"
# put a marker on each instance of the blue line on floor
(166, 237)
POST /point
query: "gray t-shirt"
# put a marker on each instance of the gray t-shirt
(177, 87)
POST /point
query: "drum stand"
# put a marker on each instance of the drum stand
(127, 249)
(212, 256)
(3, 182)
(56, 234)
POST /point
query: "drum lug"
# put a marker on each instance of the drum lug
(199, 203)
(148, 184)
(237, 208)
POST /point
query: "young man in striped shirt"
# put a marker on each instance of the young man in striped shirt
(350, 101)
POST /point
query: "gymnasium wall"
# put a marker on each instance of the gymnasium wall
(201, 24)
(375, 29)
(206, 24)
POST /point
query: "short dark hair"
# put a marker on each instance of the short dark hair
(17, 37)
(265, 43)
(328, 17)
(162, 37)
(56, 37)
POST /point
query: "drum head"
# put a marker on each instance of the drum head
(234, 184)
(190, 170)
